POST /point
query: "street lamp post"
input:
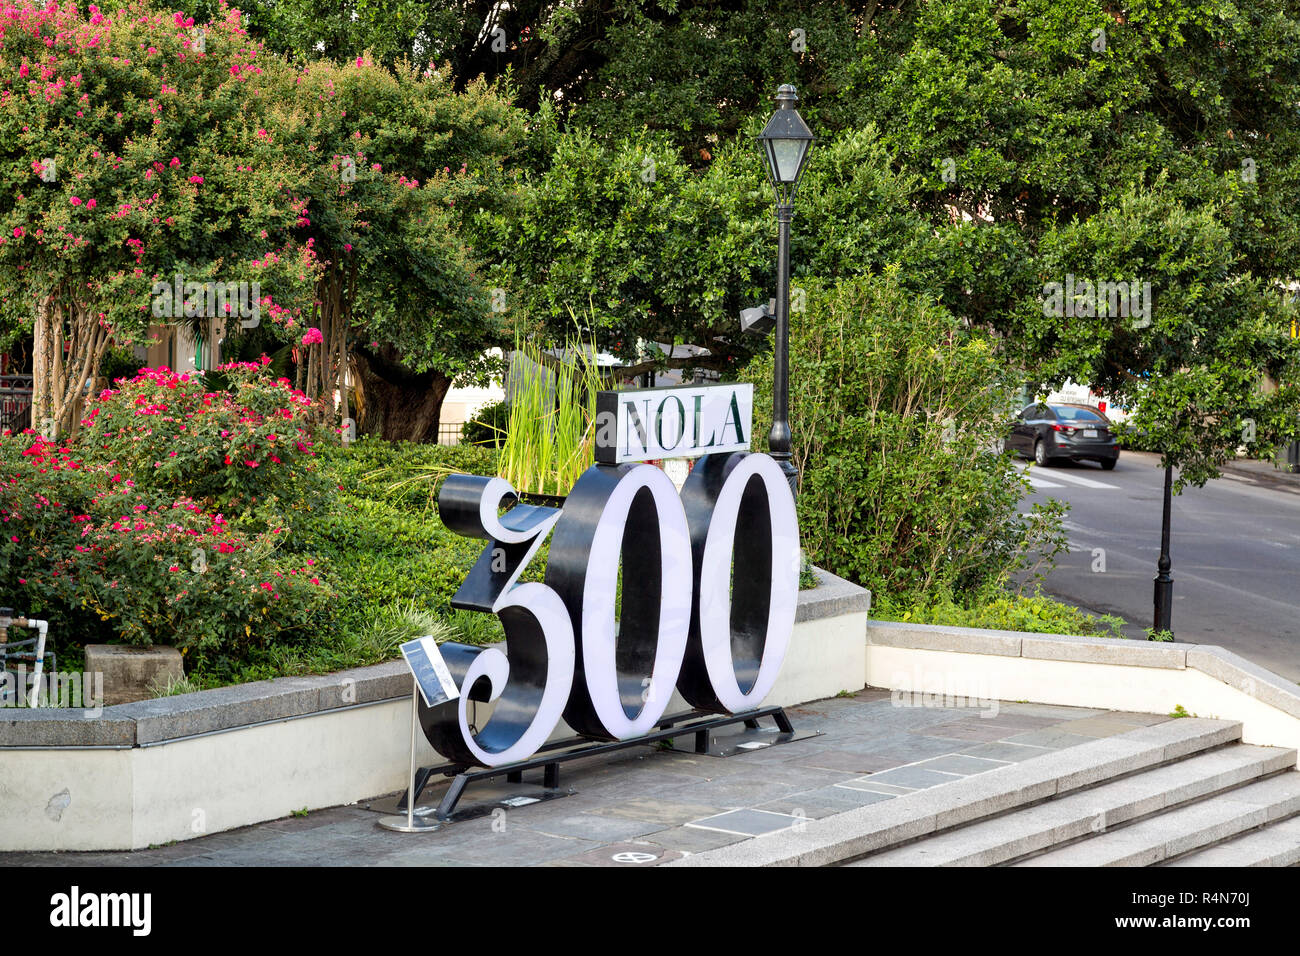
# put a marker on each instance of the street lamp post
(786, 143)
(1164, 584)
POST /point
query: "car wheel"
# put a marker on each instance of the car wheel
(1040, 454)
(1108, 464)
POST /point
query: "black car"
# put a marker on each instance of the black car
(1050, 433)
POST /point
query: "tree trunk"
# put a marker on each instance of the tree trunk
(400, 404)
(59, 385)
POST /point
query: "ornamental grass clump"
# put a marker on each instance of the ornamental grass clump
(550, 429)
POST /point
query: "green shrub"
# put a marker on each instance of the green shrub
(488, 427)
(1035, 613)
(895, 410)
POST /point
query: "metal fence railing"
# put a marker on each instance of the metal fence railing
(15, 402)
(449, 432)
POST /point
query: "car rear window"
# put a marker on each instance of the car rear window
(1068, 414)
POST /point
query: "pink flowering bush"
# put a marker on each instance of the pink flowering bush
(179, 574)
(175, 433)
(109, 559)
(158, 522)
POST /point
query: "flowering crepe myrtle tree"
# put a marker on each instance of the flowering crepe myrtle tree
(130, 154)
(406, 168)
(186, 150)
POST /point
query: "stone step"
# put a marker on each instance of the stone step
(848, 836)
(1277, 844)
(1094, 810)
(1184, 829)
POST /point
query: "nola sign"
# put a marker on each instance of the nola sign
(682, 422)
(704, 604)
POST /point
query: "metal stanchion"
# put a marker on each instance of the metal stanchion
(421, 821)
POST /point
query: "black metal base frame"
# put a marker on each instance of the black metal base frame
(550, 756)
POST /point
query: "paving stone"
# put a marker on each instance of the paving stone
(624, 854)
(825, 801)
(693, 840)
(960, 763)
(737, 792)
(696, 765)
(1106, 726)
(1141, 720)
(592, 826)
(966, 730)
(517, 846)
(1021, 722)
(749, 822)
(909, 748)
(913, 777)
(1059, 711)
(846, 760)
(666, 812)
(1005, 750)
(1051, 739)
(865, 783)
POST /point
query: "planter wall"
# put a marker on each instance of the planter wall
(923, 664)
(180, 767)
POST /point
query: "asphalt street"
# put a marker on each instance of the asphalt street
(1235, 546)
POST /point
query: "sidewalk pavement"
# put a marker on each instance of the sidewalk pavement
(1267, 472)
(644, 806)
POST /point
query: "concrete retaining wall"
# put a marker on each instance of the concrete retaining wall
(175, 768)
(921, 662)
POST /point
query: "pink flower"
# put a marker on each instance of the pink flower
(18, 232)
(312, 337)
(174, 162)
(75, 201)
(23, 71)
(196, 179)
(91, 204)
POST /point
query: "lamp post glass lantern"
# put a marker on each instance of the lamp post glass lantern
(786, 142)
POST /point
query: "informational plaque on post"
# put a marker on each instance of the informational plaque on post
(431, 674)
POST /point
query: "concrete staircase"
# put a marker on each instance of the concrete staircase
(1185, 792)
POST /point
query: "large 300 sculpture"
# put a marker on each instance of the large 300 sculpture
(708, 586)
